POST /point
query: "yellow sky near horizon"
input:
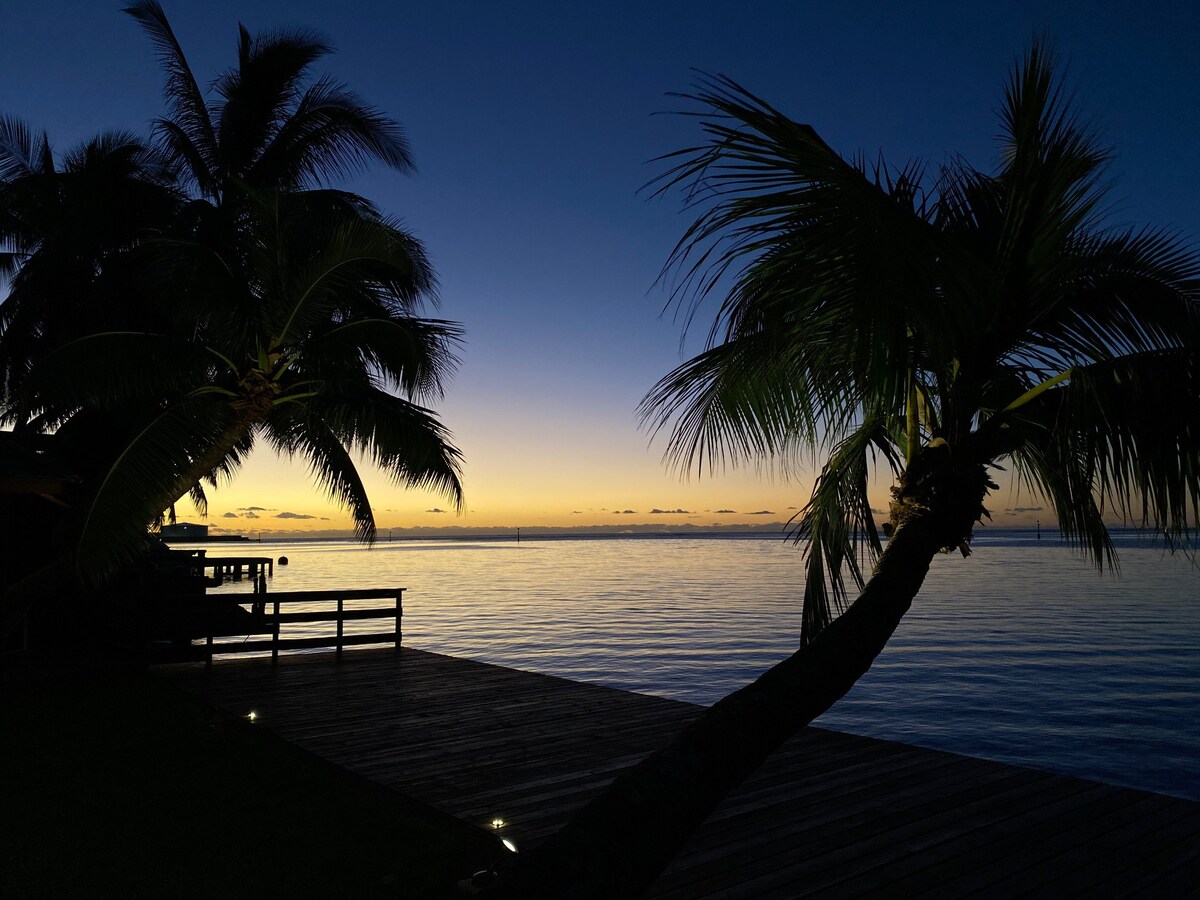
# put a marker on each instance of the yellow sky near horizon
(562, 488)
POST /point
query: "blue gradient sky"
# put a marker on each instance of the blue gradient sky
(532, 125)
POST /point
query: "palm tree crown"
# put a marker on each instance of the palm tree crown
(942, 322)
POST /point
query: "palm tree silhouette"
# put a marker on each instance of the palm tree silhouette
(940, 324)
(283, 307)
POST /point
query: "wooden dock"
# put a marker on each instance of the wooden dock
(829, 815)
(232, 566)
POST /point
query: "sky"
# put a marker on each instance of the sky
(535, 124)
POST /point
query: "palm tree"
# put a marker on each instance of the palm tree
(942, 324)
(284, 308)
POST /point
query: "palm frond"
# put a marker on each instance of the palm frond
(331, 135)
(1125, 293)
(1136, 420)
(178, 147)
(415, 356)
(258, 94)
(22, 153)
(1120, 439)
(188, 111)
(742, 400)
(117, 156)
(404, 440)
(839, 263)
(163, 462)
(329, 463)
(199, 499)
(764, 185)
(10, 264)
(838, 523)
(1051, 166)
(360, 258)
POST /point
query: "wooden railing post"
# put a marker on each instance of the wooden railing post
(399, 616)
(208, 653)
(338, 652)
(275, 635)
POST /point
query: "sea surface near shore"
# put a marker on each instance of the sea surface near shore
(1021, 653)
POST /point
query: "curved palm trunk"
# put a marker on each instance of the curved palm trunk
(618, 844)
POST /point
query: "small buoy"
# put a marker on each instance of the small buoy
(283, 560)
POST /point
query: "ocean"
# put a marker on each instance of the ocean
(1021, 653)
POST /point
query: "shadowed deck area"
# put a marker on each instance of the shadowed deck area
(829, 814)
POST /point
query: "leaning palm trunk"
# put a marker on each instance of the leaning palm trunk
(617, 845)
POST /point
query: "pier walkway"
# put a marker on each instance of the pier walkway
(829, 815)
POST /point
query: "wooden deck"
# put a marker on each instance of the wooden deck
(830, 815)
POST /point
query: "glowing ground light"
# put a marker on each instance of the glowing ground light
(252, 715)
(509, 845)
(497, 824)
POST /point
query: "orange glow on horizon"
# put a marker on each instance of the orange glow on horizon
(272, 496)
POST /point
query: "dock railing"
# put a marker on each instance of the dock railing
(267, 615)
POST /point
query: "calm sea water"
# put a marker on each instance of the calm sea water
(1021, 653)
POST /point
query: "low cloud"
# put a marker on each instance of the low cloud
(324, 518)
(435, 510)
(230, 516)
(669, 512)
(727, 512)
(256, 508)
(292, 515)
(761, 512)
(251, 514)
(1025, 509)
(625, 512)
(577, 512)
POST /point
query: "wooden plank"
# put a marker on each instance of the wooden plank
(825, 843)
(1084, 859)
(1044, 836)
(791, 825)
